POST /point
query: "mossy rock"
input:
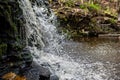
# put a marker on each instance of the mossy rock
(8, 28)
(3, 49)
(12, 37)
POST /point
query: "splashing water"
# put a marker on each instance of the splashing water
(44, 44)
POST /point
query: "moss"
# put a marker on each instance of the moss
(82, 6)
(94, 8)
(17, 46)
(113, 21)
(69, 3)
(3, 49)
(13, 28)
(10, 25)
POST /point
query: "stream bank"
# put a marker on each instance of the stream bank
(86, 19)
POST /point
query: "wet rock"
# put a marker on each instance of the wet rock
(3, 69)
(45, 64)
(38, 72)
(44, 73)
(46, 2)
(16, 61)
(11, 44)
(54, 77)
(34, 73)
(3, 49)
(14, 57)
(27, 57)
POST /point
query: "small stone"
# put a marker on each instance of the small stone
(54, 77)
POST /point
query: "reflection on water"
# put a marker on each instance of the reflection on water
(100, 49)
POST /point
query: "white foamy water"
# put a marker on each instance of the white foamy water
(44, 44)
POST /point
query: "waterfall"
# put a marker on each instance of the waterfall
(44, 43)
(40, 24)
(41, 34)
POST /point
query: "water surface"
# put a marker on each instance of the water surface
(92, 59)
(95, 49)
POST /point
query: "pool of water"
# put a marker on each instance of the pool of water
(86, 59)
(94, 49)
(98, 57)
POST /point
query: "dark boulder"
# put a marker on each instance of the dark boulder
(14, 57)
(38, 72)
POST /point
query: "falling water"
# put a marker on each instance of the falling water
(45, 45)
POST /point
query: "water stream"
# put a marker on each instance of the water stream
(87, 59)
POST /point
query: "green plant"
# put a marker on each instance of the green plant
(113, 21)
(82, 6)
(69, 3)
(94, 7)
